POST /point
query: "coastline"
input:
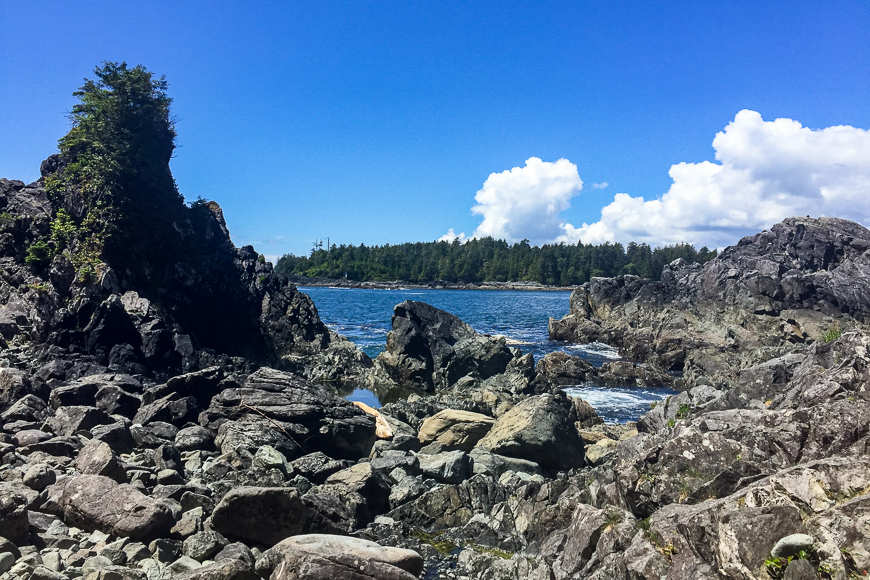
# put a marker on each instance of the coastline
(439, 285)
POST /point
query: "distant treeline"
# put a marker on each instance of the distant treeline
(488, 260)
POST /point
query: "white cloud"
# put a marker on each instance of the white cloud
(451, 235)
(766, 171)
(525, 202)
(601, 185)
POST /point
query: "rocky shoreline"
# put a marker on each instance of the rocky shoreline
(137, 445)
(438, 285)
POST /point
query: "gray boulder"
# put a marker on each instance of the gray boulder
(446, 467)
(261, 515)
(327, 557)
(314, 418)
(539, 429)
(97, 458)
(95, 502)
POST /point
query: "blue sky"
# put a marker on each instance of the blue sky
(375, 122)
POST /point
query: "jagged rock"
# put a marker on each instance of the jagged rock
(14, 501)
(455, 429)
(326, 557)
(494, 465)
(94, 502)
(39, 476)
(116, 435)
(317, 467)
(203, 545)
(28, 408)
(431, 349)
(451, 505)
(539, 429)
(316, 419)
(97, 458)
(251, 433)
(406, 489)
(782, 287)
(370, 483)
(560, 368)
(193, 438)
(447, 467)
(70, 420)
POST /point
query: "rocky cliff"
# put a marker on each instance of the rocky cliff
(210, 303)
(793, 285)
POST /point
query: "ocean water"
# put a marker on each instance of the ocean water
(363, 316)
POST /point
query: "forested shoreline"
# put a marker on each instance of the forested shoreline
(488, 260)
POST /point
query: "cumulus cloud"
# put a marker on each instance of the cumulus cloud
(451, 235)
(765, 171)
(601, 185)
(526, 202)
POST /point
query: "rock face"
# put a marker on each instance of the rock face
(430, 349)
(164, 325)
(784, 287)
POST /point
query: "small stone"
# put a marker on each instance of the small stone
(95, 563)
(39, 477)
(203, 545)
(7, 560)
(52, 560)
(43, 573)
(791, 545)
(183, 564)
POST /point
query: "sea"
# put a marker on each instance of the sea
(521, 316)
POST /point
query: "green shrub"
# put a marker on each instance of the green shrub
(834, 332)
(38, 254)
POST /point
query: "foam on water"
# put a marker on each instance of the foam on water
(363, 316)
(619, 404)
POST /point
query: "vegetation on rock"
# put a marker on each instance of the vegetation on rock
(112, 190)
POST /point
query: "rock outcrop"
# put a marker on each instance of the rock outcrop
(429, 349)
(212, 302)
(795, 284)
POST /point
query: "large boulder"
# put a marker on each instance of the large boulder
(327, 557)
(539, 429)
(261, 515)
(431, 349)
(455, 429)
(95, 502)
(307, 414)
